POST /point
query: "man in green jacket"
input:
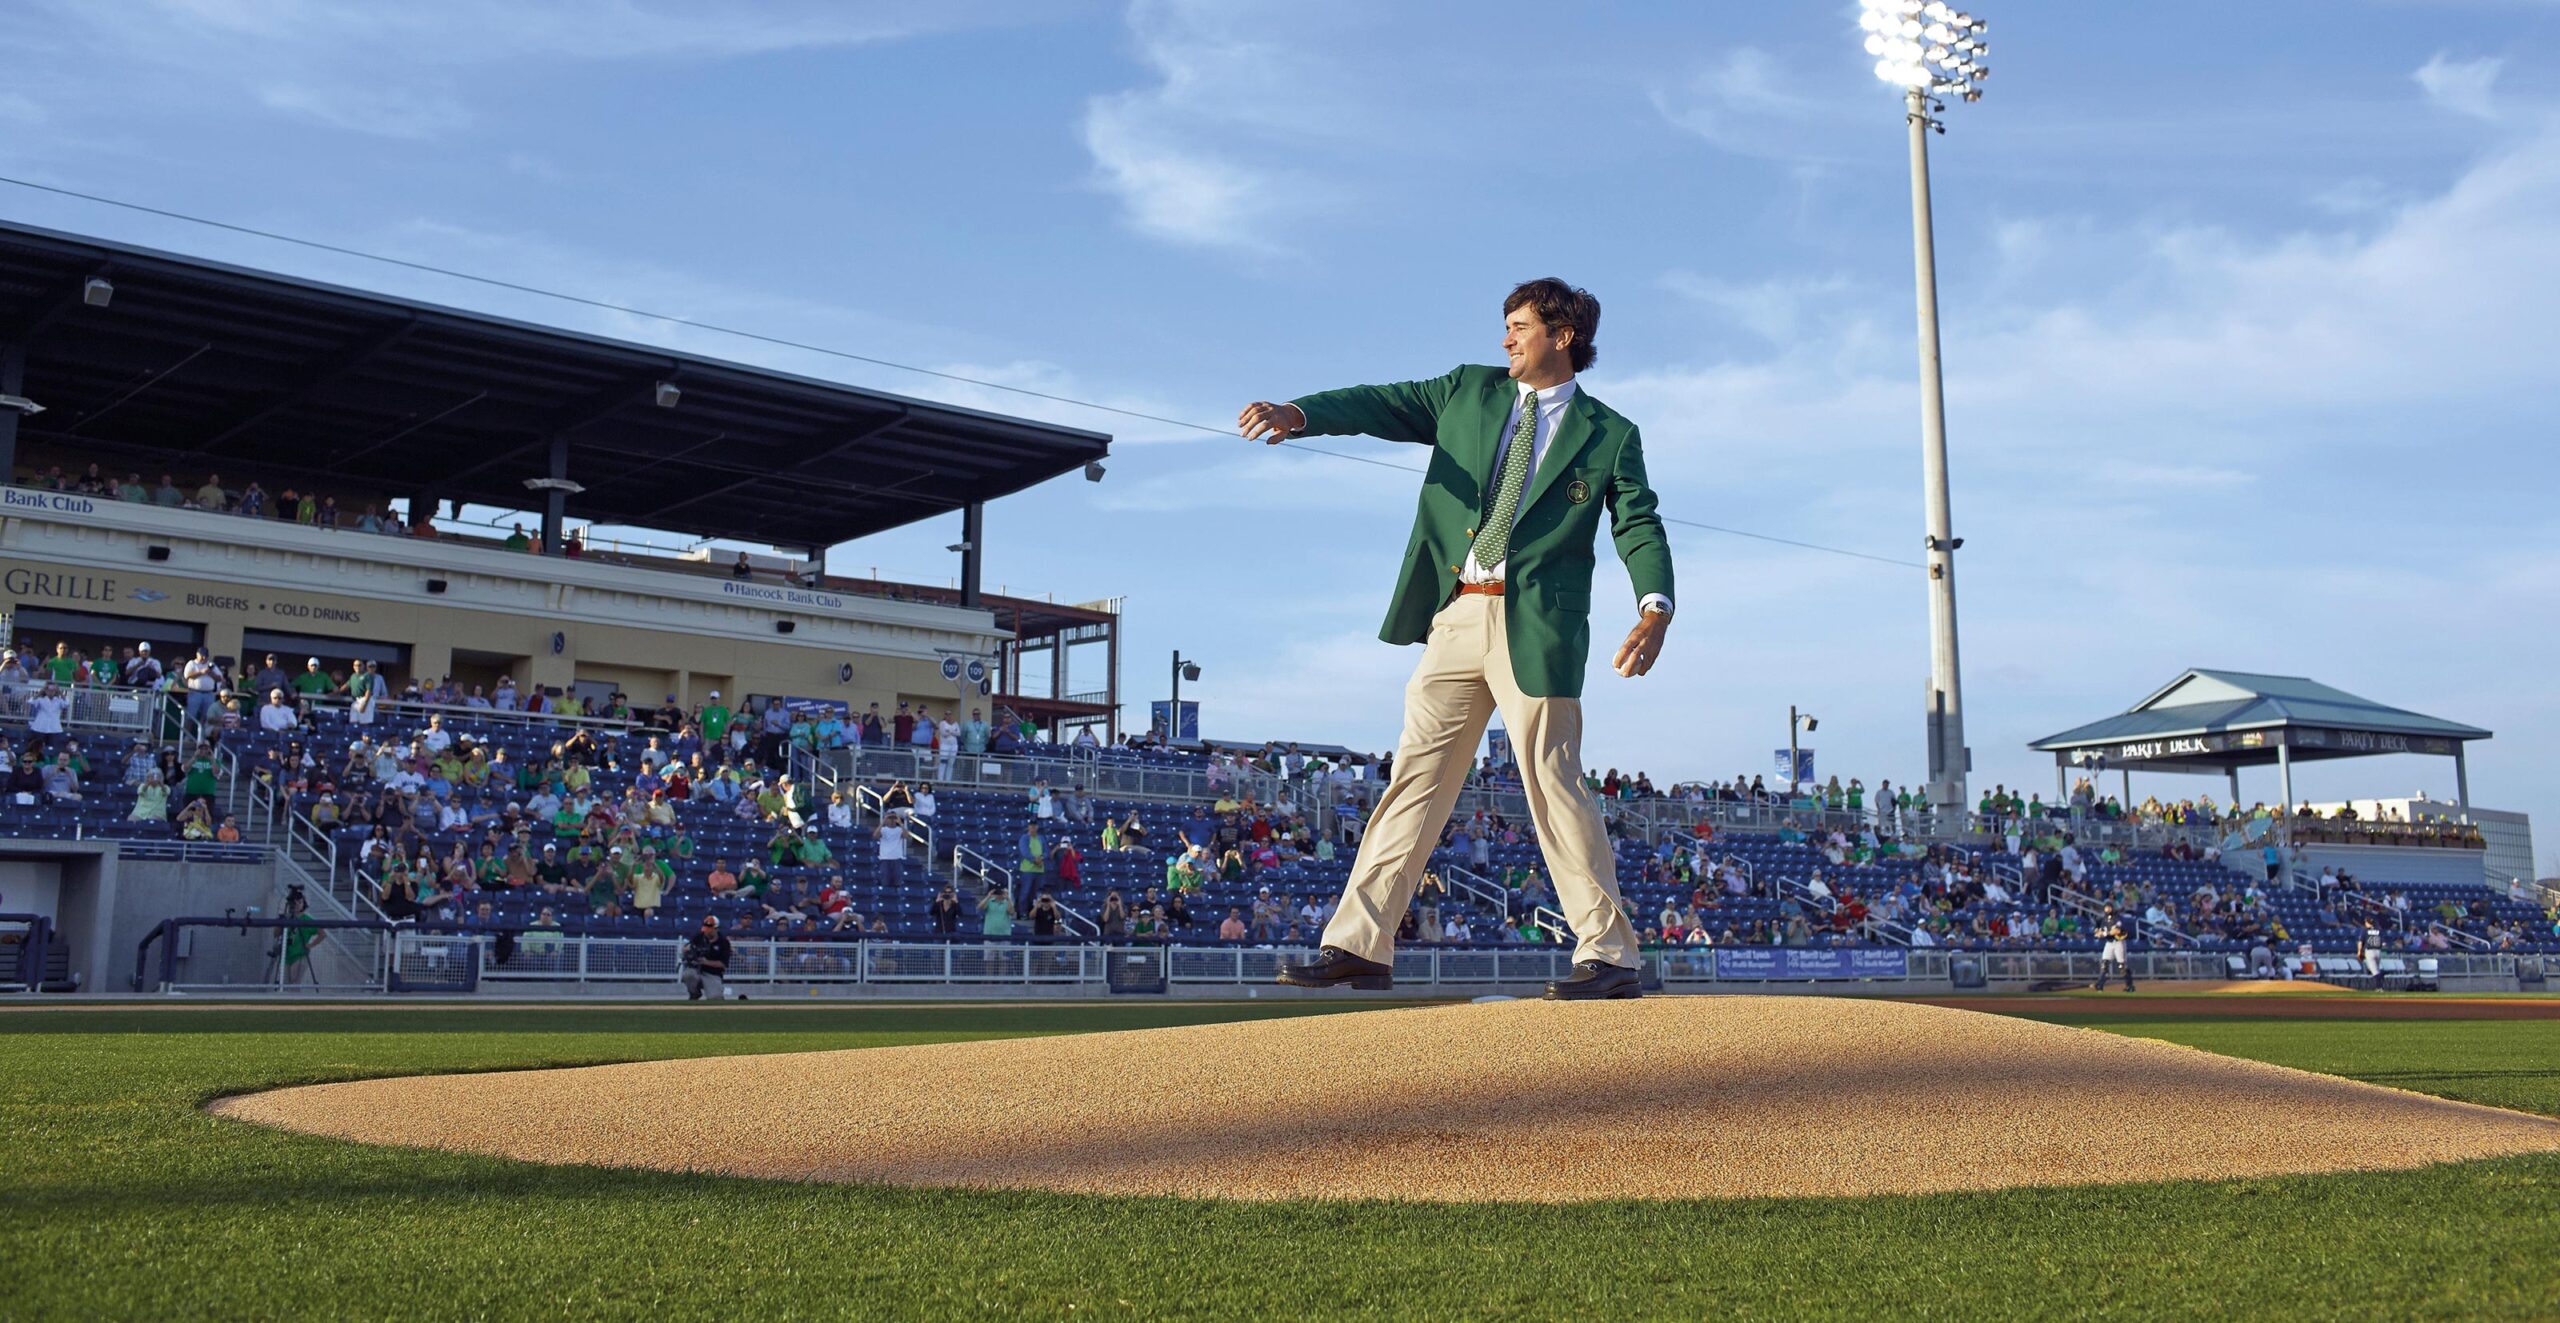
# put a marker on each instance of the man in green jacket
(1496, 584)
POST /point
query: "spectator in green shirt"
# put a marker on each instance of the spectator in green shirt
(715, 720)
(517, 541)
(303, 934)
(202, 777)
(313, 680)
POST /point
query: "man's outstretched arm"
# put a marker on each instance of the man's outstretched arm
(1635, 525)
(1401, 411)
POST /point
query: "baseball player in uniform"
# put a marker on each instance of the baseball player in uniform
(2116, 931)
(2369, 947)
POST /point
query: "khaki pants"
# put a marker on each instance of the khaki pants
(1464, 678)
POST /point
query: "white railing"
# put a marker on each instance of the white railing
(974, 873)
(1548, 920)
(2463, 940)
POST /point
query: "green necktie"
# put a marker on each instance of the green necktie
(1493, 537)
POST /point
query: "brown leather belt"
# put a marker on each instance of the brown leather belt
(1493, 589)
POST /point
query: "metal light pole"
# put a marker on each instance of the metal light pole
(1796, 721)
(1182, 670)
(1931, 50)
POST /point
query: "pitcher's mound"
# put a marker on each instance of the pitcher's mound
(1668, 1097)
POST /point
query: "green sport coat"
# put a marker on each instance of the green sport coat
(1594, 459)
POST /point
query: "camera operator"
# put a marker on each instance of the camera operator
(706, 961)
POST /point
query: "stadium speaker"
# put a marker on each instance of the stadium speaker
(785, 626)
(844, 673)
(156, 553)
(435, 585)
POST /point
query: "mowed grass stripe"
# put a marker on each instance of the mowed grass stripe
(126, 1202)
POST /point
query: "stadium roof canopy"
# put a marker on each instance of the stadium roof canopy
(2220, 721)
(194, 366)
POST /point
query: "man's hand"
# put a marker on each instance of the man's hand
(1270, 423)
(1644, 643)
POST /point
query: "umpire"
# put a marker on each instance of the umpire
(706, 961)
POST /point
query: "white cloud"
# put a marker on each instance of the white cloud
(2461, 86)
(327, 61)
(1200, 157)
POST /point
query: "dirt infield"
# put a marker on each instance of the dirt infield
(1669, 1097)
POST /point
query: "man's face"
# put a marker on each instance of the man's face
(1536, 352)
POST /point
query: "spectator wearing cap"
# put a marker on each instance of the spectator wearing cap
(715, 719)
(903, 726)
(269, 676)
(313, 681)
(144, 671)
(203, 679)
(276, 715)
(920, 734)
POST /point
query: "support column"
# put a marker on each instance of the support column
(2461, 779)
(2284, 778)
(13, 381)
(555, 501)
(2061, 782)
(2234, 770)
(973, 536)
(2128, 789)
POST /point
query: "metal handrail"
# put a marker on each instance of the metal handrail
(2467, 941)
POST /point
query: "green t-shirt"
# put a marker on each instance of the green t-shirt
(298, 940)
(311, 682)
(64, 670)
(519, 542)
(200, 777)
(715, 723)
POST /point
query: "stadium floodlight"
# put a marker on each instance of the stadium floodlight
(22, 404)
(1932, 51)
(667, 395)
(97, 292)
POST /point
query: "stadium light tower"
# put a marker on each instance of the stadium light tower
(1932, 51)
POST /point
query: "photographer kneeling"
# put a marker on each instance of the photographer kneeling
(706, 962)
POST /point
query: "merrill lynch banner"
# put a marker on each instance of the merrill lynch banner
(1780, 962)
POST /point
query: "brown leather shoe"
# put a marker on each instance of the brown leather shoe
(1597, 980)
(1334, 967)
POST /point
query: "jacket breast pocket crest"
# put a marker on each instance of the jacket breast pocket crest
(1577, 491)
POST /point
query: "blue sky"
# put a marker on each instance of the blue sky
(2247, 321)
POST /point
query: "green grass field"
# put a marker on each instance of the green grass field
(124, 1201)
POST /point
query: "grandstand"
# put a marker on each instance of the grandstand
(261, 468)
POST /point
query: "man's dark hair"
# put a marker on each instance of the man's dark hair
(1560, 306)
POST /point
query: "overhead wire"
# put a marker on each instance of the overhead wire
(785, 342)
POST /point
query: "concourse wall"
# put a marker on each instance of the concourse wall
(544, 620)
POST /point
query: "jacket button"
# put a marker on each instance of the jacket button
(1471, 532)
(1453, 569)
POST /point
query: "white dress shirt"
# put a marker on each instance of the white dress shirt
(1551, 406)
